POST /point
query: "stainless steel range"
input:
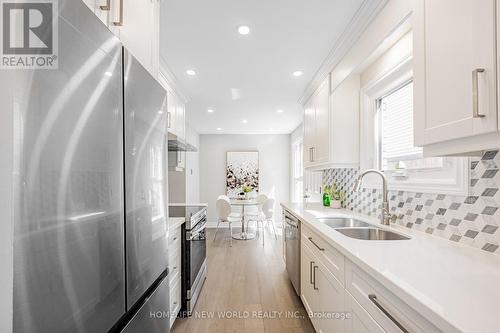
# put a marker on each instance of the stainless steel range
(194, 254)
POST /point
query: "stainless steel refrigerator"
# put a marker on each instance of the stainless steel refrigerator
(90, 161)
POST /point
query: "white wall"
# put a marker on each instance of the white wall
(192, 167)
(274, 164)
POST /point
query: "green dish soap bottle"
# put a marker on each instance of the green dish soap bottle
(326, 199)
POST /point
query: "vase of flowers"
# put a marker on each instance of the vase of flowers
(246, 189)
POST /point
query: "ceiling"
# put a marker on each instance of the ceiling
(248, 77)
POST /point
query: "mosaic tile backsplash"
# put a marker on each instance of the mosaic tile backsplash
(473, 220)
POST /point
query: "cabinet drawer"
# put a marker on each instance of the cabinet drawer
(360, 321)
(360, 285)
(331, 258)
(175, 267)
(174, 239)
(175, 299)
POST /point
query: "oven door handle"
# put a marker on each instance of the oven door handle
(192, 234)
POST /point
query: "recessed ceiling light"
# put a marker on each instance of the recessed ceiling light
(244, 121)
(108, 74)
(279, 111)
(244, 29)
(160, 112)
(219, 129)
(191, 72)
(297, 73)
(210, 111)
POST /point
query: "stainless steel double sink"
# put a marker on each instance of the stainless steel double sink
(357, 229)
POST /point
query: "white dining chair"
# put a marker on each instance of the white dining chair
(263, 220)
(234, 215)
(260, 199)
(223, 208)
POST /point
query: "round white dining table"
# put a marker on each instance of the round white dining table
(243, 235)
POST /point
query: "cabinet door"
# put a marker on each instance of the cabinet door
(172, 111)
(331, 296)
(308, 294)
(180, 119)
(98, 7)
(454, 47)
(91, 4)
(137, 31)
(321, 148)
(309, 130)
(360, 321)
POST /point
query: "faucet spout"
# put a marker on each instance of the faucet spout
(385, 216)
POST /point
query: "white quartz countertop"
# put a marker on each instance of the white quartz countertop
(454, 286)
(174, 222)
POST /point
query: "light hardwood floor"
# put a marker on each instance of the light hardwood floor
(246, 277)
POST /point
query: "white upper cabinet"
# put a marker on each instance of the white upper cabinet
(139, 30)
(309, 131)
(136, 23)
(331, 126)
(455, 71)
(176, 114)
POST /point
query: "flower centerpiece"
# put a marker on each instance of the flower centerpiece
(245, 189)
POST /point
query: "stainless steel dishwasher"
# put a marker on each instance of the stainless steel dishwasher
(292, 249)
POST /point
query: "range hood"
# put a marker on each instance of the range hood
(177, 144)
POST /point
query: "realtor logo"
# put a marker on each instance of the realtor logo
(29, 34)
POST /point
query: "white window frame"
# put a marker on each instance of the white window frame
(445, 175)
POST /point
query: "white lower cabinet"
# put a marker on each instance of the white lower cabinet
(307, 292)
(360, 321)
(341, 297)
(321, 293)
(331, 299)
(174, 264)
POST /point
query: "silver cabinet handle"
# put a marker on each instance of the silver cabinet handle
(475, 97)
(319, 248)
(107, 6)
(312, 154)
(311, 264)
(314, 277)
(375, 301)
(120, 20)
(168, 120)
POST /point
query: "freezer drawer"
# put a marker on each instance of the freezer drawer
(154, 314)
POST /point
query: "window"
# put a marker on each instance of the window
(395, 128)
(297, 171)
(387, 137)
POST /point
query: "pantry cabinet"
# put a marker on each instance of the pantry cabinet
(136, 23)
(331, 126)
(455, 75)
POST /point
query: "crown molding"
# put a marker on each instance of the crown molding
(172, 81)
(368, 10)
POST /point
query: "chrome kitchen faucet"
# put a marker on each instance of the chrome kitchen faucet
(385, 217)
